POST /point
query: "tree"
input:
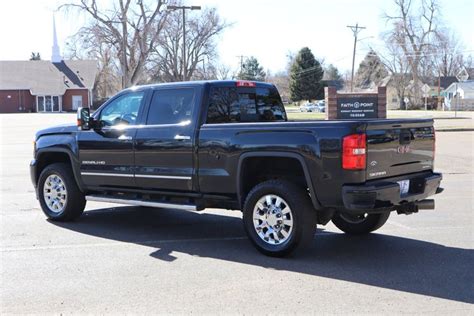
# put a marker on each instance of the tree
(449, 59)
(399, 70)
(332, 73)
(281, 81)
(132, 28)
(412, 31)
(202, 29)
(87, 44)
(305, 77)
(371, 71)
(251, 70)
(35, 56)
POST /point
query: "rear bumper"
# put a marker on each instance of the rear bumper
(385, 194)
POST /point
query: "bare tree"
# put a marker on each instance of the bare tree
(448, 59)
(88, 43)
(132, 28)
(202, 28)
(413, 30)
(399, 71)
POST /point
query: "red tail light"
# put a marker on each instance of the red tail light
(245, 83)
(354, 152)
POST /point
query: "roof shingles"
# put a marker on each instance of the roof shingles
(47, 78)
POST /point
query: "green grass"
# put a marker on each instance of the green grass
(305, 116)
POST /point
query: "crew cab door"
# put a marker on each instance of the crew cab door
(106, 152)
(164, 145)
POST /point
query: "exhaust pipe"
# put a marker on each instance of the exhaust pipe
(428, 204)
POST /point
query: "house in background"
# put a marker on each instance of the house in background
(46, 86)
(460, 96)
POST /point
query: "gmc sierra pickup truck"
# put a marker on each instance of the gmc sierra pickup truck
(228, 144)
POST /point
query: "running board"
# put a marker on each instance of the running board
(97, 198)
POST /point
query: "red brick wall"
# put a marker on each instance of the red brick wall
(12, 100)
(67, 98)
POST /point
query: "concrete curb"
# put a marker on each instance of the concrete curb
(469, 129)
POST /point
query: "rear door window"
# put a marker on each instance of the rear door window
(236, 104)
(171, 106)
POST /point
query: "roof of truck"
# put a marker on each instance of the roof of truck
(198, 83)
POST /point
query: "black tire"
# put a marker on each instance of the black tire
(302, 214)
(75, 201)
(360, 225)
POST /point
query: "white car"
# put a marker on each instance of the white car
(308, 107)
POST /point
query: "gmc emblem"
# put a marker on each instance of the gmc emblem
(403, 149)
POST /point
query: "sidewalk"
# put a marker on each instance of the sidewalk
(446, 121)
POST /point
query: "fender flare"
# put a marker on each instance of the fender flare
(72, 158)
(314, 200)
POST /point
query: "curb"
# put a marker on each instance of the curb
(454, 129)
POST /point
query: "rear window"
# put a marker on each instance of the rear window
(237, 104)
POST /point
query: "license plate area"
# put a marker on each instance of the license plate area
(404, 187)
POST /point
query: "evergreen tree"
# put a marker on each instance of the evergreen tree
(306, 74)
(251, 70)
(332, 73)
(35, 56)
(371, 71)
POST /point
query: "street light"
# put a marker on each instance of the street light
(184, 8)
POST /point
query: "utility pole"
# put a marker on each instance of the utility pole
(241, 57)
(184, 8)
(355, 29)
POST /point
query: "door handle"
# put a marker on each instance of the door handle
(182, 137)
(124, 137)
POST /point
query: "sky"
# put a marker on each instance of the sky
(266, 29)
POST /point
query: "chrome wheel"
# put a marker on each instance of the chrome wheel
(354, 219)
(273, 219)
(55, 193)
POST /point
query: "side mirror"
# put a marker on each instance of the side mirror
(83, 118)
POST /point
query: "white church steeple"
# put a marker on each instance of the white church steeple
(56, 55)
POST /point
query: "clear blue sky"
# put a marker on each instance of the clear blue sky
(266, 29)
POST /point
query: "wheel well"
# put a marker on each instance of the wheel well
(255, 170)
(46, 159)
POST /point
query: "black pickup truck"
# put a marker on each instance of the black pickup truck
(228, 144)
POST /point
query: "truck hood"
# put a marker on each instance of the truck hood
(58, 129)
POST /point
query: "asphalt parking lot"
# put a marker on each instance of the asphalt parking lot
(137, 260)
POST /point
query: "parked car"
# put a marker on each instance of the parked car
(228, 144)
(321, 106)
(308, 107)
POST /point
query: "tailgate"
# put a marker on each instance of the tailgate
(397, 147)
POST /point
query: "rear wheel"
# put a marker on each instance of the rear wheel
(360, 224)
(58, 193)
(278, 217)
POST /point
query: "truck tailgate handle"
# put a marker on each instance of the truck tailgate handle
(182, 137)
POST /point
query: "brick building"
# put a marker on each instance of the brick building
(46, 86)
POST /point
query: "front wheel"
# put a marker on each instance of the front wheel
(58, 193)
(278, 217)
(360, 224)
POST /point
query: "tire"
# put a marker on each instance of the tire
(360, 225)
(58, 193)
(288, 224)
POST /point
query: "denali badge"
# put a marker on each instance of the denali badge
(93, 162)
(403, 149)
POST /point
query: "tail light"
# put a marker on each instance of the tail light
(354, 152)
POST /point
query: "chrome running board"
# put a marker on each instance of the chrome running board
(97, 198)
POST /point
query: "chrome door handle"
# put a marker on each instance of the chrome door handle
(182, 137)
(123, 137)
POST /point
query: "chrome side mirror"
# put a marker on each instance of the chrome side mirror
(83, 118)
